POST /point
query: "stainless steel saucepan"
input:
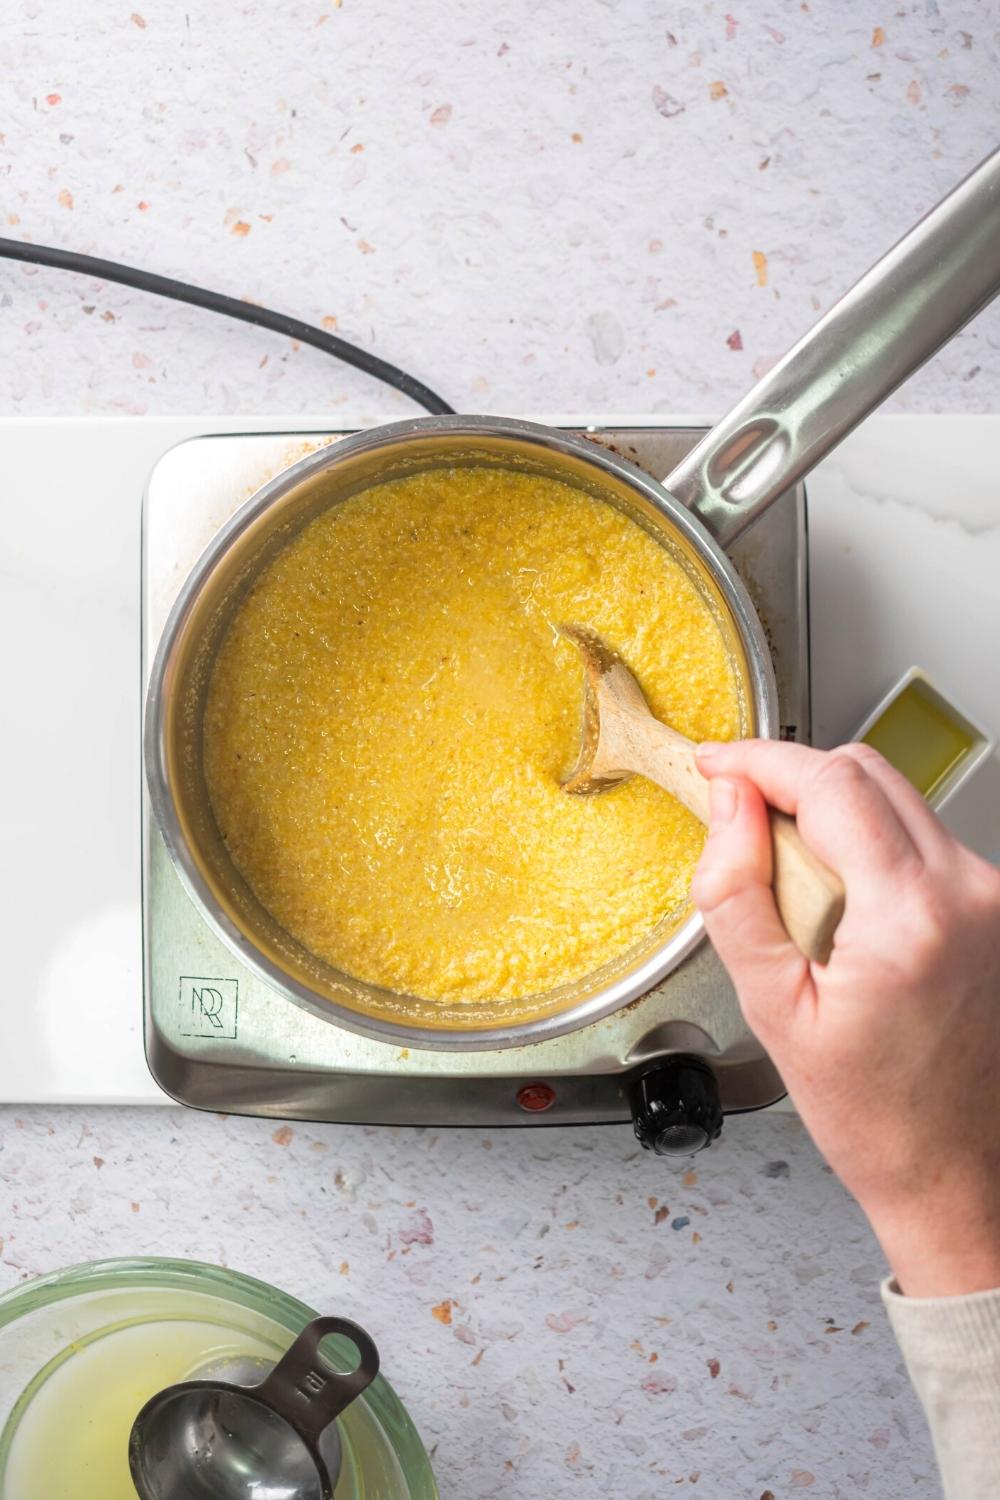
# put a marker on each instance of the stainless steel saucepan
(899, 314)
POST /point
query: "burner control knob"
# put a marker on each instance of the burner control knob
(675, 1107)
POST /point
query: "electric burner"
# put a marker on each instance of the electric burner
(217, 1037)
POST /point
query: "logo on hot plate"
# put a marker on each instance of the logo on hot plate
(209, 1007)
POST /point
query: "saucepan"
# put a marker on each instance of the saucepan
(903, 310)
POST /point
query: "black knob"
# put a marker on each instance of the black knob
(676, 1108)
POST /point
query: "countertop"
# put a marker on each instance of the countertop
(627, 213)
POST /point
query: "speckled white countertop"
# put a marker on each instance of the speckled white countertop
(533, 207)
(561, 1314)
(536, 206)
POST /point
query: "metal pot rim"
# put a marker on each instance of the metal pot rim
(613, 995)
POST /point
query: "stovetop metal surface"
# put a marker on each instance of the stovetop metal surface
(218, 1038)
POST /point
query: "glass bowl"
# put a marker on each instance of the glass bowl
(93, 1312)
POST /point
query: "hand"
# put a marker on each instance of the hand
(891, 1051)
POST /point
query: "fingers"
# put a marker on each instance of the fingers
(924, 827)
(779, 769)
(732, 888)
(843, 812)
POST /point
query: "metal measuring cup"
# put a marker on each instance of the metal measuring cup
(217, 1440)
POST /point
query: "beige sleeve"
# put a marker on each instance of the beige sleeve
(952, 1350)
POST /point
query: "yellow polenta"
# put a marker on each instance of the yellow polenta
(392, 709)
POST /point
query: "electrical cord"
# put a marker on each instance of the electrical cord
(230, 307)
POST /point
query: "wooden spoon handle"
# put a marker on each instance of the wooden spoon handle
(809, 896)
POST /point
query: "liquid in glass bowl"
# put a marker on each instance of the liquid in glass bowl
(82, 1350)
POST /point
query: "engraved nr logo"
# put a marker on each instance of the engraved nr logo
(209, 1007)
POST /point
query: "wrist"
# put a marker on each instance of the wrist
(942, 1246)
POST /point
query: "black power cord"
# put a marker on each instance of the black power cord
(230, 307)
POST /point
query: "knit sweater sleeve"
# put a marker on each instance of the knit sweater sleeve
(951, 1346)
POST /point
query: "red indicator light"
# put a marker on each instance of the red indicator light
(535, 1097)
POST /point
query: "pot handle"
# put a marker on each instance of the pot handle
(900, 313)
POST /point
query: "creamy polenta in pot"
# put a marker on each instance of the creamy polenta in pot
(392, 710)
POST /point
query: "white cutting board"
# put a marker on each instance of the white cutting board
(905, 554)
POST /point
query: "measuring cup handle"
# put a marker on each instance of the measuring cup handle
(306, 1390)
(900, 313)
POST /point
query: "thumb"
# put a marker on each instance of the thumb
(732, 889)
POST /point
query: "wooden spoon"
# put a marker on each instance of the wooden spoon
(621, 738)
